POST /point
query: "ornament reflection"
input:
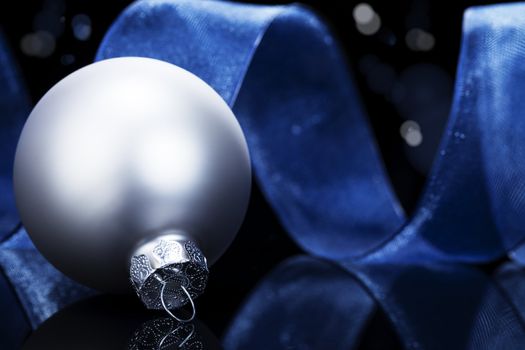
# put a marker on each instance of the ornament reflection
(117, 322)
(165, 333)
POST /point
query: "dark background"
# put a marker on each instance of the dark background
(402, 67)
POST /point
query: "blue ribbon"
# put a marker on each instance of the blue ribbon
(37, 289)
(14, 108)
(314, 157)
(316, 161)
(286, 80)
(307, 303)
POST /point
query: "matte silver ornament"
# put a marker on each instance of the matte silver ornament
(133, 163)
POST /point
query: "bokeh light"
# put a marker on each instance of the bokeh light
(363, 13)
(411, 133)
(422, 94)
(81, 25)
(419, 40)
(38, 44)
(367, 21)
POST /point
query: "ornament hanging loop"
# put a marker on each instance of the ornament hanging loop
(184, 341)
(167, 270)
(182, 320)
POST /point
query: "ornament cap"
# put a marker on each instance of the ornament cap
(168, 271)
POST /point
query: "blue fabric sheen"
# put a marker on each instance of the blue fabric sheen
(316, 161)
(38, 289)
(14, 325)
(432, 306)
(335, 304)
(305, 158)
(473, 205)
(14, 104)
(42, 289)
(312, 150)
(14, 108)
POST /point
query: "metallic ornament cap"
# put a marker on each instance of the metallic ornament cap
(166, 270)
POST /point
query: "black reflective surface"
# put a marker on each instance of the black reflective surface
(116, 322)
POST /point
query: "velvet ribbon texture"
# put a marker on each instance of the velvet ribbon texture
(315, 159)
(31, 289)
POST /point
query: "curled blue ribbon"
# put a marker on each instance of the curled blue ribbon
(14, 108)
(316, 161)
(36, 289)
(314, 155)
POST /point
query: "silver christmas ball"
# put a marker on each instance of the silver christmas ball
(133, 163)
